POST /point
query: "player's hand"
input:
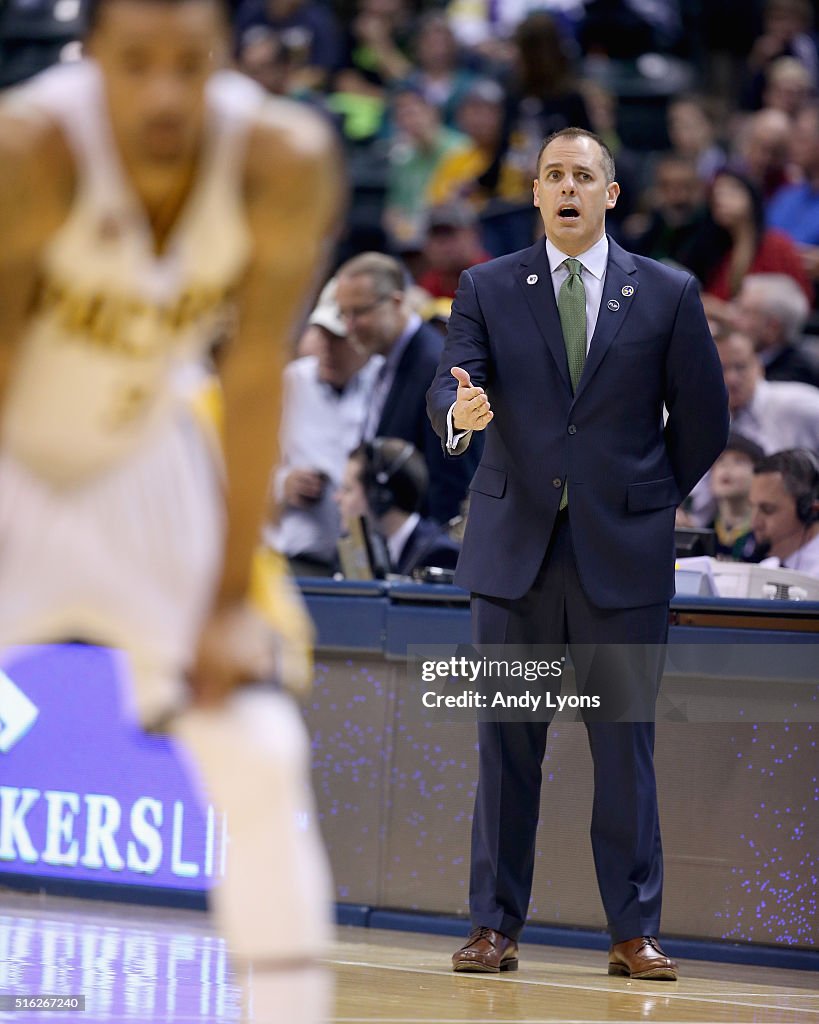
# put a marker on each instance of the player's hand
(472, 410)
(236, 646)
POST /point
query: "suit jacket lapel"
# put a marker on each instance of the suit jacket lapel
(394, 401)
(619, 294)
(535, 280)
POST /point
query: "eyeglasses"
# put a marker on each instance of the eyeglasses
(349, 315)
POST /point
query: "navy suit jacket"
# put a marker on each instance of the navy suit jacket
(405, 416)
(428, 544)
(626, 471)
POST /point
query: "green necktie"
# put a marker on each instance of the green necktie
(571, 304)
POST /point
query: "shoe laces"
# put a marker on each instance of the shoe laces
(649, 941)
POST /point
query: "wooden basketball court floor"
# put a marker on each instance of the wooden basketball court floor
(146, 965)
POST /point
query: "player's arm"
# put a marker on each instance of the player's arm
(36, 182)
(295, 188)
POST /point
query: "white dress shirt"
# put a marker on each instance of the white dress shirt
(594, 262)
(320, 427)
(398, 541)
(804, 559)
(781, 414)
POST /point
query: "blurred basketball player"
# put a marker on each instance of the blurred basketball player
(144, 192)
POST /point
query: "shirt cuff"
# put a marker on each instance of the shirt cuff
(456, 444)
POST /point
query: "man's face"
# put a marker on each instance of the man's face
(773, 511)
(350, 495)
(481, 120)
(156, 59)
(731, 475)
(740, 369)
(374, 319)
(451, 249)
(573, 195)
(338, 360)
(688, 128)
(804, 141)
(414, 116)
(678, 190)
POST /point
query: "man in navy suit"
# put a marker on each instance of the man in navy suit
(371, 296)
(565, 354)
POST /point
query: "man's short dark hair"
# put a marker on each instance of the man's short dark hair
(606, 155)
(393, 474)
(799, 469)
(93, 9)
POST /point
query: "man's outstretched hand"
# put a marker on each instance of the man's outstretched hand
(472, 410)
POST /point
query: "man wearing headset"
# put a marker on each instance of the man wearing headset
(386, 481)
(785, 509)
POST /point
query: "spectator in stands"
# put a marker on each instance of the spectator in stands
(676, 215)
(386, 480)
(795, 208)
(307, 30)
(772, 310)
(372, 300)
(379, 43)
(763, 150)
(731, 488)
(626, 29)
(482, 169)
(602, 107)
(453, 244)
(788, 87)
(787, 32)
(734, 241)
(421, 142)
(441, 75)
(263, 57)
(785, 509)
(486, 26)
(376, 61)
(543, 91)
(326, 397)
(693, 136)
(774, 414)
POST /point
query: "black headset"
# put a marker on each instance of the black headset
(378, 474)
(807, 501)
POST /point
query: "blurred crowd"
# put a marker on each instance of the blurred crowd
(713, 117)
(712, 113)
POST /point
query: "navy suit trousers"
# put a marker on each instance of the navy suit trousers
(625, 827)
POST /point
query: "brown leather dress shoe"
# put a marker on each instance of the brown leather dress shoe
(486, 952)
(641, 959)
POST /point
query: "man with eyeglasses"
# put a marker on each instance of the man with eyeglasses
(372, 300)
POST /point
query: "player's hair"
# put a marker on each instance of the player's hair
(606, 154)
(93, 9)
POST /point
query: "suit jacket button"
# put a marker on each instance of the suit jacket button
(572, 428)
(557, 482)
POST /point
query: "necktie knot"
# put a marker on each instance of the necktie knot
(573, 266)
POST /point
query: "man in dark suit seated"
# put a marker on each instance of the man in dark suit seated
(386, 481)
(372, 299)
(566, 355)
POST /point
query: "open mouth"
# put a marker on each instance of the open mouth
(568, 213)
